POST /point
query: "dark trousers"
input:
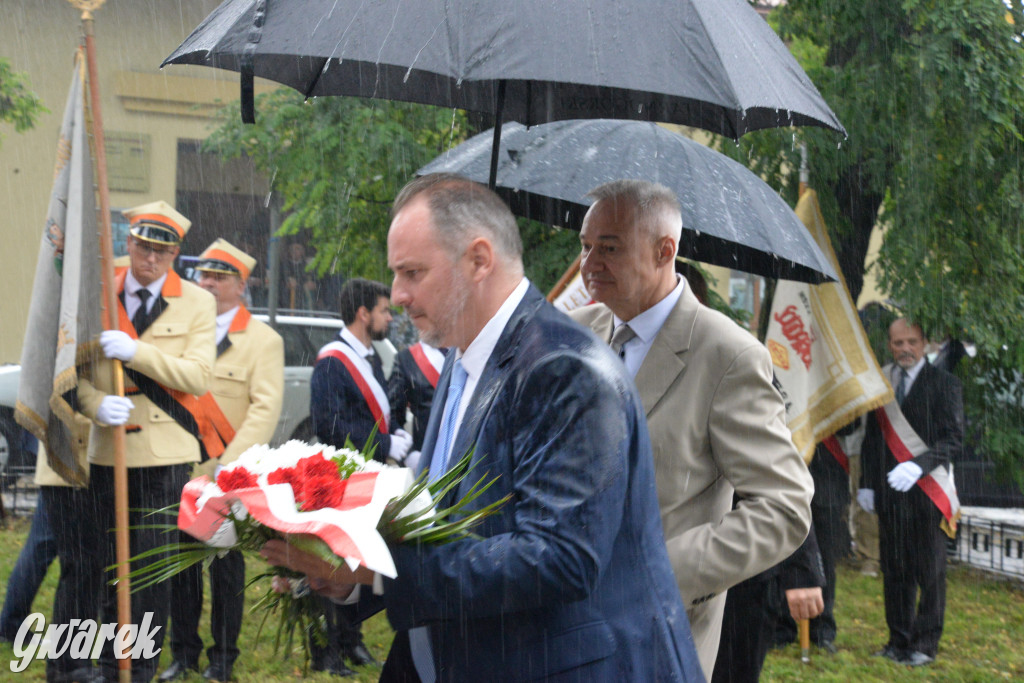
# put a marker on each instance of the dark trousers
(399, 666)
(344, 632)
(748, 628)
(913, 561)
(77, 536)
(834, 544)
(39, 551)
(227, 602)
(149, 488)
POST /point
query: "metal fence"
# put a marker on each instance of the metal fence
(995, 546)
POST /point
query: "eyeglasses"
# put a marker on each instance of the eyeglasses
(147, 250)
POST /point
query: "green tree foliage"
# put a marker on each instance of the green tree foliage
(930, 92)
(19, 106)
(337, 163)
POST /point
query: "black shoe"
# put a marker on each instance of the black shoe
(359, 655)
(178, 670)
(891, 652)
(84, 674)
(828, 646)
(332, 665)
(218, 672)
(916, 658)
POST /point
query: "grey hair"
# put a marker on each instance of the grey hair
(462, 210)
(655, 207)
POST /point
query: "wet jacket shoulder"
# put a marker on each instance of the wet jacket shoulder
(572, 576)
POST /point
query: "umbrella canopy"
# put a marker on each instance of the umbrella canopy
(715, 64)
(734, 218)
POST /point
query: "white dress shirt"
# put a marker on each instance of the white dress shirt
(912, 374)
(476, 355)
(646, 326)
(131, 297)
(224, 323)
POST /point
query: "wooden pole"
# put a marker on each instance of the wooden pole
(804, 628)
(124, 605)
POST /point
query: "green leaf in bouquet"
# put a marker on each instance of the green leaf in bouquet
(444, 525)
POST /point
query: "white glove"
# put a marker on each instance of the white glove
(401, 441)
(904, 476)
(117, 344)
(412, 461)
(114, 410)
(866, 499)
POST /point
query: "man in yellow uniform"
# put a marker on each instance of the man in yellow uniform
(242, 407)
(166, 342)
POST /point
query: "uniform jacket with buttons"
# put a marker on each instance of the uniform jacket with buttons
(248, 385)
(177, 350)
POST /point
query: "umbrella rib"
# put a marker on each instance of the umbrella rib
(312, 86)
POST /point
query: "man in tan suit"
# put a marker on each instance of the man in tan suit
(716, 422)
(166, 342)
(242, 407)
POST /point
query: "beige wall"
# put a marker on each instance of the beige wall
(132, 38)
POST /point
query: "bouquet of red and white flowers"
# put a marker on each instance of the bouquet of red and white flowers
(338, 504)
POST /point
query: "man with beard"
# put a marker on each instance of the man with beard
(910, 538)
(570, 580)
(348, 402)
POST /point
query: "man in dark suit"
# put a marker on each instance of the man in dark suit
(411, 386)
(912, 544)
(570, 580)
(348, 391)
(348, 401)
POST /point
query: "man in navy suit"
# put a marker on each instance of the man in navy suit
(571, 579)
(348, 402)
(348, 391)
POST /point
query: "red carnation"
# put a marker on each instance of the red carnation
(235, 478)
(317, 466)
(322, 492)
(285, 475)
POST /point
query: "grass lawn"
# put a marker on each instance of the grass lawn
(984, 628)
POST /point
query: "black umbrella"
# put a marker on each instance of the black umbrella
(715, 64)
(735, 219)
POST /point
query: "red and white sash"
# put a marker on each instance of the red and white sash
(831, 443)
(429, 360)
(374, 394)
(905, 445)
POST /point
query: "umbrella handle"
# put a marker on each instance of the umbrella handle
(499, 112)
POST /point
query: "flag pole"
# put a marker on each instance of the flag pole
(124, 609)
(803, 626)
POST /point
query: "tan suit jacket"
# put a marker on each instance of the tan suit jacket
(177, 350)
(717, 425)
(248, 385)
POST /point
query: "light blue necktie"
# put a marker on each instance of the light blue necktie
(445, 435)
(419, 637)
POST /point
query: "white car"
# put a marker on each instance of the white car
(14, 460)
